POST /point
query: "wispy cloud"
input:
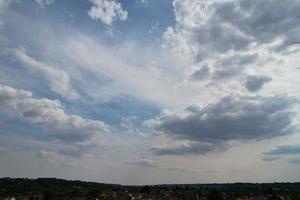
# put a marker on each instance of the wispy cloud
(59, 80)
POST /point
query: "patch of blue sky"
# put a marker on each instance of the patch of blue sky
(115, 110)
(21, 128)
(145, 23)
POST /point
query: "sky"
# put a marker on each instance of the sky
(141, 92)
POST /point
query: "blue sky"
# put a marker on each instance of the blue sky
(150, 91)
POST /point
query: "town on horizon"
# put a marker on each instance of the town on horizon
(52, 188)
(164, 99)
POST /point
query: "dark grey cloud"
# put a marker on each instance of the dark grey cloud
(194, 148)
(232, 66)
(226, 67)
(284, 150)
(256, 82)
(232, 118)
(220, 26)
(226, 72)
(264, 21)
(240, 118)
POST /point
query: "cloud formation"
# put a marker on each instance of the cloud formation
(48, 115)
(255, 82)
(217, 26)
(58, 79)
(227, 40)
(231, 118)
(107, 11)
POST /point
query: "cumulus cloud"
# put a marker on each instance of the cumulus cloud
(220, 26)
(231, 38)
(231, 118)
(256, 82)
(107, 11)
(58, 79)
(284, 150)
(48, 115)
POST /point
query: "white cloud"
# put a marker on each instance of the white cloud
(48, 115)
(127, 77)
(107, 11)
(59, 80)
(44, 3)
(210, 32)
(229, 46)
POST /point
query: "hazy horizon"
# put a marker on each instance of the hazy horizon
(144, 92)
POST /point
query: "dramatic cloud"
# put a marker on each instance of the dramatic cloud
(284, 150)
(255, 83)
(226, 39)
(232, 118)
(107, 11)
(218, 82)
(220, 26)
(48, 115)
(59, 80)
